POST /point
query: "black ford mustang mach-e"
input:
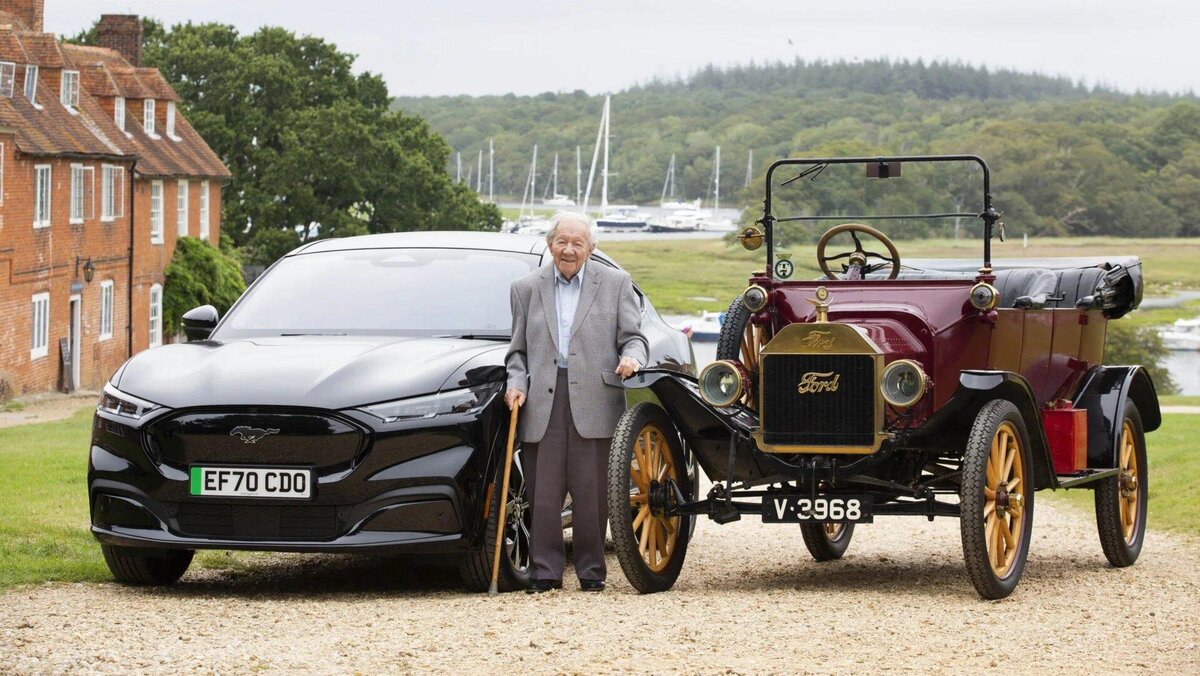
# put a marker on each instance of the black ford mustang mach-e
(350, 401)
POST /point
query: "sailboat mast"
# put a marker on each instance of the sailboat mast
(749, 168)
(578, 176)
(479, 180)
(604, 175)
(491, 172)
(533, 177)
(717, 181)
(554, 191)
(587, 194)
(458, 169)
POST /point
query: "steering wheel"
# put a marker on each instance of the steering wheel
(857, 263)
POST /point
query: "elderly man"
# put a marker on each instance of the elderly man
(576, 334)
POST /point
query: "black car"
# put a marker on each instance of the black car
(350, 401)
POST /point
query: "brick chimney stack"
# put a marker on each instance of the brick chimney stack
(28, 11)
(122, 32)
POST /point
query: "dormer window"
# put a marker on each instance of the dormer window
(119, 112)
(70, 89)
(171, 120)
(31, 75)
(148, 116)
(8, 75)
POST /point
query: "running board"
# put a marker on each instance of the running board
(1087, 477)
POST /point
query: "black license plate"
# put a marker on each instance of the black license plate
(821, 509)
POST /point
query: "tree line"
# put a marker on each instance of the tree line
(1067, 159)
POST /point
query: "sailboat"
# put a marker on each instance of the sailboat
(713, 222)
(668, 200)
(530, 223)
(613, 217)
(557, 199)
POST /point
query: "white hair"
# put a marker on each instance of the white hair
(560, 217)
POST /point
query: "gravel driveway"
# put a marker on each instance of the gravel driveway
(750, 600)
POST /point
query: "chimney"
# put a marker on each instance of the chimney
(28, 11)
(123, 33)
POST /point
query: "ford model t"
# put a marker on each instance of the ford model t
(952, 388)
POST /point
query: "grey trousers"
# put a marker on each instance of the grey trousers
(565, 462)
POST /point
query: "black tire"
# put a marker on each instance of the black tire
(652, 420)
(992, 579)
(821, 545)
(141, 569)
(515, 565)
(1122, 547)
(729, 340)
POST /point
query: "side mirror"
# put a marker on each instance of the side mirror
(199, 322)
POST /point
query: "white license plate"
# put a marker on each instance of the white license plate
(251, 482)
(822, 508)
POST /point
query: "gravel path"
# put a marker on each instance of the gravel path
(750, 600)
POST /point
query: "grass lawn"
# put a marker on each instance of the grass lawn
(1179, 400)
(44, 513)
(676, 272)
(43, 507)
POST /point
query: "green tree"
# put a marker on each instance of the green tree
(1130, 344)
(308, 141)
(200, 274)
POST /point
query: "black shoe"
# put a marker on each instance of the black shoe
(591, 585)
(539, 586)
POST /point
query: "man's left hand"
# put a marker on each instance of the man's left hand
(628, 367)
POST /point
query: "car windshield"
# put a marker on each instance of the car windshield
(426, 292)
(905, 200)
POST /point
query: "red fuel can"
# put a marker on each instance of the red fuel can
(1066, 430)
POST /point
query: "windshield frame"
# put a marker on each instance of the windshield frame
(987, 213)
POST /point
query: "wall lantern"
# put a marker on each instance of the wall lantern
(89, 269)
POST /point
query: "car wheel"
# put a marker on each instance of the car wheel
(155, 569)
(1121, 500)
(644, 459)
(996, 499)
(515, 564)
(741, 341)
(827, 541)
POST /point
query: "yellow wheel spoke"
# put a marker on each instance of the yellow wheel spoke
(989, 509)
(1009, 540)
(638, 499)
(641, 516)
(640, 480)
(989, 494)
(1014, 484)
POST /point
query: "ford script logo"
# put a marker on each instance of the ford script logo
(818, 340)
(250, 435)
(812, 383)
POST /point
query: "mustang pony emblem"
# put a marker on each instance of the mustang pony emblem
(250, 435)
(818, 340)
(812, 382)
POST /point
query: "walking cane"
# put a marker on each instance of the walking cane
(500, 525)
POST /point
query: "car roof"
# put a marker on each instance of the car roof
(441, 239)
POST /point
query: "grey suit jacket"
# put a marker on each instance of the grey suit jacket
(607, 327)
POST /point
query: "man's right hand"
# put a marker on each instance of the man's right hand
(514, 397)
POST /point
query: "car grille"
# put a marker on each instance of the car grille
(845, 417)
(299, 522)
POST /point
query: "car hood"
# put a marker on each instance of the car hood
(330, 372)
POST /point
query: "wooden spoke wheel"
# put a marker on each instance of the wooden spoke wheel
(646, 466)
(740, 340)
(996, 499)
(1121, 500)
(827, 541)
(515, 562)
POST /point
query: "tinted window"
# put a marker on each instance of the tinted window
(382, 291)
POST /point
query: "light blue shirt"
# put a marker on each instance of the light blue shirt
(566, 301)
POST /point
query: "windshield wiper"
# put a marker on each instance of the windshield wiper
(477, 336)
(815, 170)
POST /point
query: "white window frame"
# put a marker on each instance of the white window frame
(155, 315)
(106, 310)
(83, 193)
(112, 192)
(171, 121)
(39, 326)
(69, 94)
(119, 112)
(181, 208)
(8, 79)
(148, 116)
(31, 78)
(205, 229)
(42, 176)
(156, 212)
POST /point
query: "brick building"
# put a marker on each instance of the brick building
(99, 176)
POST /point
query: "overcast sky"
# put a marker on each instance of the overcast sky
(432, 47)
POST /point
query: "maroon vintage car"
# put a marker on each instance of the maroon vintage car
(891, 386)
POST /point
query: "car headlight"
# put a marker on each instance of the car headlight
(754, 298)
(125, 405)
(722, 383)
(984, 296)
(450, 402)
(903, 383)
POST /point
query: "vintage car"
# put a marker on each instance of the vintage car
(928, 388)
(350, 401)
